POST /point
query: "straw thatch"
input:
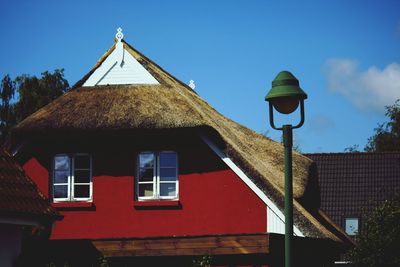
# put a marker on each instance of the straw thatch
(173, 105)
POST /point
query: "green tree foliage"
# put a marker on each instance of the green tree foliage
(7, 118)
(378, 245)
(387, 135)
(203, 261)
(352, 149)
(33, 93)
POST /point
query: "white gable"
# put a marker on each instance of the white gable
(120, 67)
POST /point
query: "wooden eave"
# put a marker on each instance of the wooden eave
(185, 245)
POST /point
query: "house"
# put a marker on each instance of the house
(22, 207)
(145, 171)
(353, 184)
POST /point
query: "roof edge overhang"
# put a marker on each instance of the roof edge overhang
(27, 218)
(24, 136)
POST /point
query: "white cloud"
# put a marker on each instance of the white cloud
(321, 124)
(369, 90)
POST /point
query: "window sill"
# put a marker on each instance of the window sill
(73, 205)
(157, 204)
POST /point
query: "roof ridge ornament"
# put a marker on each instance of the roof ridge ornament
(119, 35)
(192, 84)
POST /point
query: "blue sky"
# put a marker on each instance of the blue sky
(346, 54)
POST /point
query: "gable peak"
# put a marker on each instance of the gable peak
(120, 67)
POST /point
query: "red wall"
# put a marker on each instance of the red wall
(213, 199)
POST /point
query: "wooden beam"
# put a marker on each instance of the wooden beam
(197, 245)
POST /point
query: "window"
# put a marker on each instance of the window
(351, 226)
(72, 177)
(157, 176)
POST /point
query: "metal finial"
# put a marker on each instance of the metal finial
(119, 34)
(191, 84)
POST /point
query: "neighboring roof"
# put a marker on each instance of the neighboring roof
(19, 195)
(171, 105)
(352, 184)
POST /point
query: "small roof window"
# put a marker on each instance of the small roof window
(351, 226)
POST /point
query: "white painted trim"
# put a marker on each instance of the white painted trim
(271, 205)
(71, 179)
(157, 177)
(120, 53)
(274, 223)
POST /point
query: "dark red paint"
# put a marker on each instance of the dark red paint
(212, 198)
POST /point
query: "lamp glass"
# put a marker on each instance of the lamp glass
(285, 105)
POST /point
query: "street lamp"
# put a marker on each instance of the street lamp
(285, 96)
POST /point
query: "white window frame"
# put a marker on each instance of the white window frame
(156, 178)
(71, 179)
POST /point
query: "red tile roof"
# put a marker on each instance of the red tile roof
(19, 195)
(352, 184)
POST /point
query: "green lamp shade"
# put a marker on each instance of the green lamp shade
(285, 94)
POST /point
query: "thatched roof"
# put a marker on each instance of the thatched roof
(173, 105)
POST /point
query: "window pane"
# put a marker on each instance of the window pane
(82, 176)
(146, 190)
(61, 177)
(168, 189)
(351, 226)
(145, 174)
(61, 162)
(60, 191)
(168, 159)
(146, 160)
(82, 191)
(167, 174)
(82, 162)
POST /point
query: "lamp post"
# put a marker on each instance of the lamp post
(285, 96)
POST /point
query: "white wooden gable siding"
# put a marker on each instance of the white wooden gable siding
(275, 224)
(120, 67)
(275, 217)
